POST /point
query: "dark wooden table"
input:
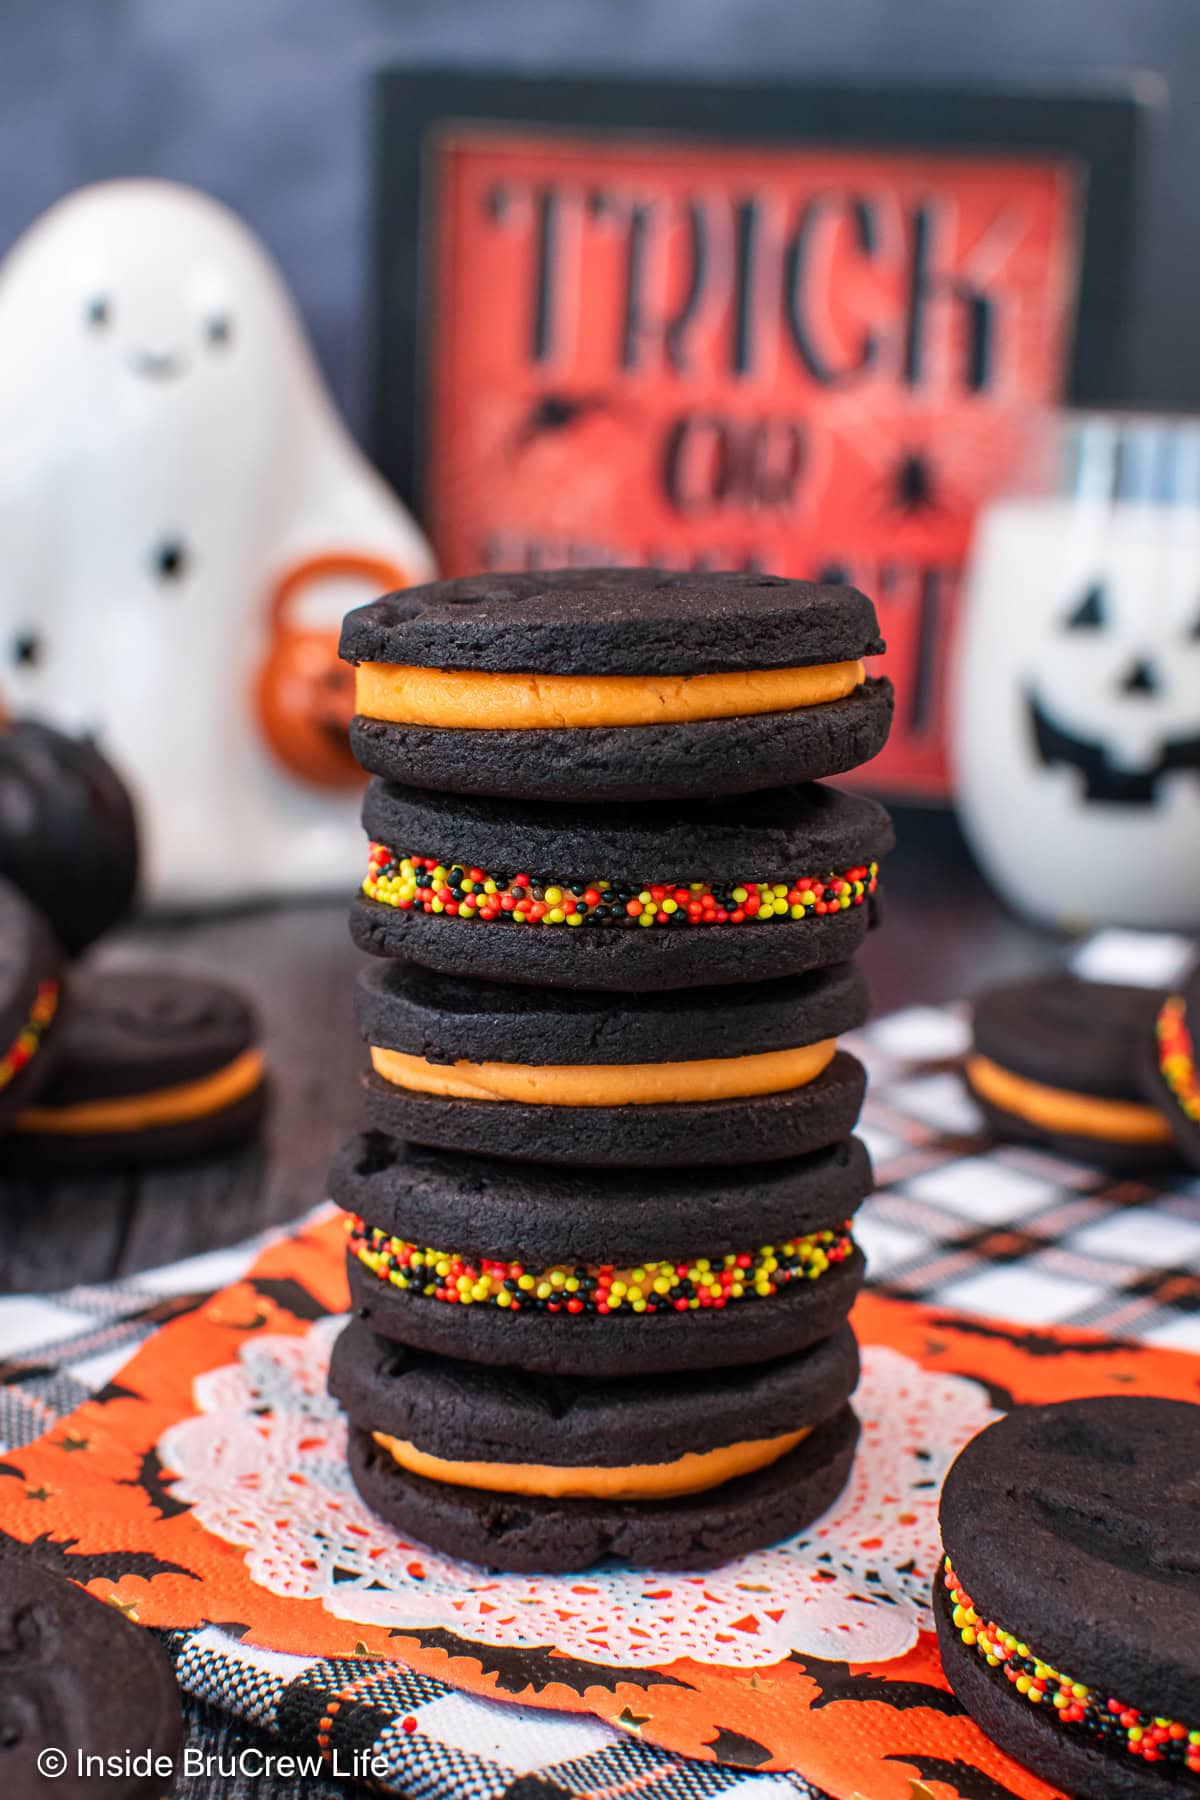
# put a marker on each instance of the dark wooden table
(944, 936)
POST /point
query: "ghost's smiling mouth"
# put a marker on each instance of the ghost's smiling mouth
(1102, 779)
(157, 365)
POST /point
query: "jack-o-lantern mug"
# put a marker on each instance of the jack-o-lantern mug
(1076, 699)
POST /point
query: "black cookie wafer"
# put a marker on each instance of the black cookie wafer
(1170, 1066)
(466, 1414)
(1071, 1530)
(154, 1065)
(666, 1136)
(1044, 1046)
(656, 896)
(600, 623)
(443, 1019)
(610, 621)
(79, 1680)
(32, 1005)
(424, 1027)
(591, 1227)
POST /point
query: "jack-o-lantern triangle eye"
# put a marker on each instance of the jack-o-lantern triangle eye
(1091, 612)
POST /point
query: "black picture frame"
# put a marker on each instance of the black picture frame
(1102, 129)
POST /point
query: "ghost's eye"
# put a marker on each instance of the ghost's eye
(219, 330)
(98, 312)
(1091, 612)
(26, 650)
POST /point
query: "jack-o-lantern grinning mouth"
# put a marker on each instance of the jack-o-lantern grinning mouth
(1103, 780)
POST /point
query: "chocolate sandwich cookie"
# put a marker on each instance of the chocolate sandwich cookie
(705, 1075)
(522, 1471)
(600, 1271)
(1057, 1061)
(1067, 1604)
(77, 1680)
(656, 896)
(615, 684)
(1171, 1067)
(152, 1066)
(30, 1002)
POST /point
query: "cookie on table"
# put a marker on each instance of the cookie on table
(1066, 1608)
(600, 1271)
(658, 896)
(529, 1472)
(702, 1075)
(78, 1679)
(153, 1066)
(1171, 1067)
(615, 684)
(31, 1002)
(1057, 1061)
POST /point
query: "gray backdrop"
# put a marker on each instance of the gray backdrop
(263, 103)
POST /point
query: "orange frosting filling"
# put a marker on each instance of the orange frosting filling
(520, 702)
(1062, 1110)
(141, 1112)
(608, 1084)
(688, 1474)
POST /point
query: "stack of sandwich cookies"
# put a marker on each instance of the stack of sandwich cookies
(600, 1236)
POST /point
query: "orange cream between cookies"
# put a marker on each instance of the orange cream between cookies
(691, 1473)
(1063, 1110)
(482, 701)
(608, 1084)
(142, 1112)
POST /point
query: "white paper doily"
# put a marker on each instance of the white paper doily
(262, 1465)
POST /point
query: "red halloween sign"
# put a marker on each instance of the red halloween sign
(810, 361)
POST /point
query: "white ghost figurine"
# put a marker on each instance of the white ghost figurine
(1076, 734)
(184, 519)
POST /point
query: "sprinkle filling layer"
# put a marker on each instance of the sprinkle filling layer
(1084, 1709)
(1177, 1055)
(423, 884)
(650, 1287)
(22, 1052)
